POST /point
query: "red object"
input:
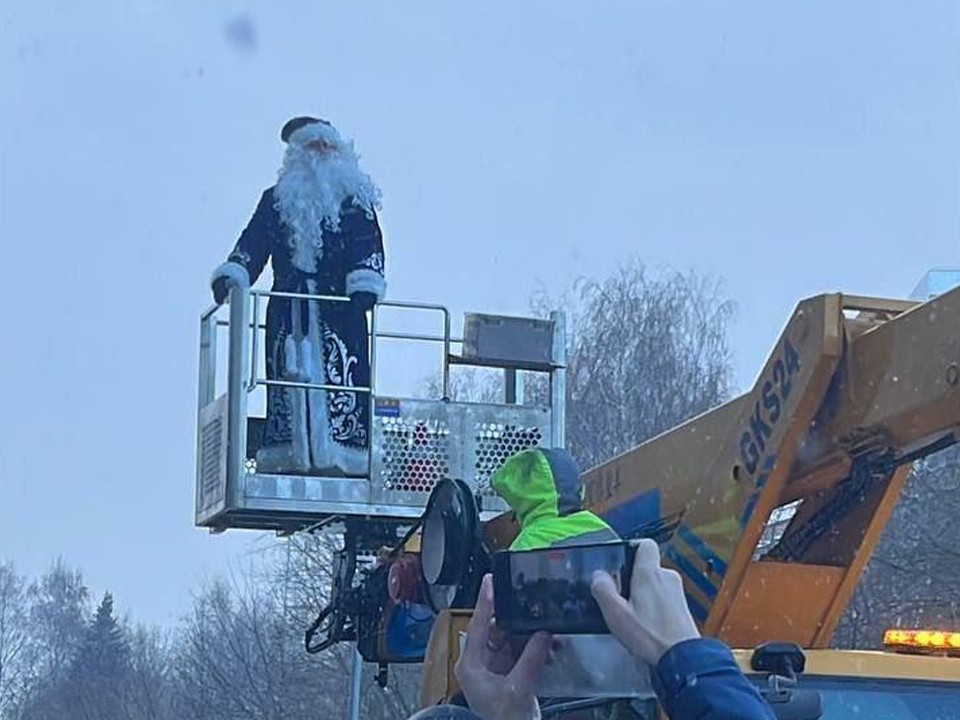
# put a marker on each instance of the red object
(403, 580)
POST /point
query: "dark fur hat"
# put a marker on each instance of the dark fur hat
(294, 124)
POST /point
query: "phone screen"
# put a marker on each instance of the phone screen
(549, 589)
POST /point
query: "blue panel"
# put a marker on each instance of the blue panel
(636, 513)
(760, 483)
(748, 508)
(702, 549)
(698, 611)
(408, 631)
(386, 407)
(691, 572)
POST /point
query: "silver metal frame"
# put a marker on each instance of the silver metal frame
(281, 502)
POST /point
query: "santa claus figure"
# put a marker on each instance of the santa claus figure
(318, 227)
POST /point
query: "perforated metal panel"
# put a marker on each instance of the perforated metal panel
(495, 443)
(415, 453)
(416, 443)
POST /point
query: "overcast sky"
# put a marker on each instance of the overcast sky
(790, 149)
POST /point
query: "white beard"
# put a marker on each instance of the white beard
(311, 189)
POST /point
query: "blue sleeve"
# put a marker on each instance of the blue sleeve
(700, 680)
(253, 248)
(365, 258)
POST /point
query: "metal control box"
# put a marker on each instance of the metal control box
(501, 340)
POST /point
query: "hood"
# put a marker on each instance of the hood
(540, 483)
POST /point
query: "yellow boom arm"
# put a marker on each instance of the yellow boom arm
(855, 389)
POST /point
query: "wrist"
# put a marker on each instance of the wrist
(686, 661)
(665, 645)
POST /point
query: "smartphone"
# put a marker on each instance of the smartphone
(549, 589)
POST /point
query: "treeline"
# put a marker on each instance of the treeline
(236, 655)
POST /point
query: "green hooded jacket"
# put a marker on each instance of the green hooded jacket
(544, 490)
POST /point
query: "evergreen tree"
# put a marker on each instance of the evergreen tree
(101, 668)
(105, 653)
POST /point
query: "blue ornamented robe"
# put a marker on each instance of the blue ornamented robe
(320, 342)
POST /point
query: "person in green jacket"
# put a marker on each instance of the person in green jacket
(543, 488)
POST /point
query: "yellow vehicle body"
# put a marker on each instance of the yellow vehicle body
(854, 391)
(853, 385)
(873, 664)
(881, 685)
(844, 677)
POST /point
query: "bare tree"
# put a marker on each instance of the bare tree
(913, 578)
(303, 576)
(236, 661)
(240, 653)
(59, 605)
(14, 638)
(149, 692)
(50, 631)
(645, 353)
(468, 384)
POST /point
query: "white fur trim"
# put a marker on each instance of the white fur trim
(364, 280)
(315, 131)
(293, 365)
(308, 361)
(232, 271)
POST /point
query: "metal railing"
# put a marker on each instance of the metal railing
(207, 340)
(242, 375)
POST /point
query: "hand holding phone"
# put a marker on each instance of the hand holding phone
(549, 589)
(656, 616)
